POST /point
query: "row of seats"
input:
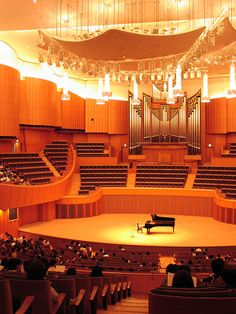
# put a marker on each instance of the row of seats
(94, 176)
(215, 177)
(232, 151)
(90, 150)
(161, 175)
(88, 293)
(29, 166)
(57, 154)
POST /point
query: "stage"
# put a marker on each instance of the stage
(121, 229)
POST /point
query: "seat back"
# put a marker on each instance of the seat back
(84, 283)
(193, 303)
(98, 281)
(5, 297)
(66, 285)
(40, 289)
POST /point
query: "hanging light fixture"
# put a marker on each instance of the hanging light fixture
(205, 96)
(65, 94)
(135, 100)
(232, 85)
(170, 96)
(107, 93)
(100, 98)
(178, 86)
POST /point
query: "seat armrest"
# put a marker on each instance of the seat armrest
(59, 307)
(93, 300)
(80, 297)
(25, 306)
(104, 296)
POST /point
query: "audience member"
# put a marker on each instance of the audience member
(182, 279)
(229, 275)
(215, 279)
(97, 270)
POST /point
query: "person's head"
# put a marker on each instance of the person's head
(4, 262)
(36, 270)
(229, 274)
(45, 261)
(13, 263)
(171, 268)
(71, 271)
(217, 265)
(182, 279)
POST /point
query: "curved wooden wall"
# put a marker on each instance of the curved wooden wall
(26, 195)
(9, 109)
(206, 203)
(39, 102)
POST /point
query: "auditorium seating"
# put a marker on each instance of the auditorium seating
(29, 166)
(6, 304)
(57, 154)
(90, 150)
(102, 176)
(161, 175)
(40, 289)
(232, 151)
(216, 177)
(191, 300)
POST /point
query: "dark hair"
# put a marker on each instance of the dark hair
(71, 271)
(13, 263)
(171, 268)
(182, 279)
(229, 274)
(36, 270)
(217, 265)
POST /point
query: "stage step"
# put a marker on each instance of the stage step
(135, 304)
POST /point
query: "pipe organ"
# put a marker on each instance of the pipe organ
(154, 121)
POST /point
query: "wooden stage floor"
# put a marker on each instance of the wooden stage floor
(121, 229)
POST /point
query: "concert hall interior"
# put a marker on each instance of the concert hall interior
(118, 133)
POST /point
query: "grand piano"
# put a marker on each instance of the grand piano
(159, 221)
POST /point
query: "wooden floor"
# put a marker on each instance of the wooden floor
(135, 305)
(121, 229)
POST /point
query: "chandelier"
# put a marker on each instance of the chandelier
(205, 97)
(232, 85)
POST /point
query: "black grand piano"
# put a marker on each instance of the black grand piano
(159, 221)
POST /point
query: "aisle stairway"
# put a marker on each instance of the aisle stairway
(135, 304)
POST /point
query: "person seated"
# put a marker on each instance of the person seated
(229, 275)
(37, 271)
(182, 279)
(71, 271)
(97, 270)
(217, 265)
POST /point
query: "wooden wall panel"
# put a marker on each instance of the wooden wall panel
(47, 211)
(118, 115)
(34, 140)
(9, 96)
(8, 226)
(216, 116)
(231, 115)
(39, 103)
(96, 120)
(73, 113)
(29, 214)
